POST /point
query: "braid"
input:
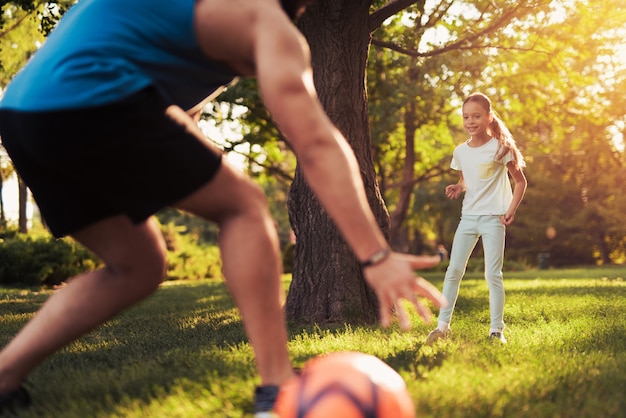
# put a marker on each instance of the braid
(498, 129)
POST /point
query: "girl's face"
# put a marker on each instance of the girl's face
(476, 120)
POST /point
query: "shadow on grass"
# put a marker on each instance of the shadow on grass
(141, 352)
(192, 334)
(418, 360)
(548, 300)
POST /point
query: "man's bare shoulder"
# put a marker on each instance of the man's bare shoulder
(227, 30)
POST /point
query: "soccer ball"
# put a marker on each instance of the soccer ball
(345, 385)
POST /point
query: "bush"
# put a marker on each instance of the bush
(187, 259)
(194, 262)
(42, 261)
(46, 261)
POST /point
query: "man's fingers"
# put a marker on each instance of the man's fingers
(403, 318)
(400, 283)
(426, 289)
(385, 316)
(419, 262)
(391, 304)
(385, 309)
(423, 311)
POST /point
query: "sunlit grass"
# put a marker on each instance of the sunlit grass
(183, 353)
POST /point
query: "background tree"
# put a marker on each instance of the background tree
(327, 284)
(5, 171)
(244, 129)
(423, 62)
(23, 27)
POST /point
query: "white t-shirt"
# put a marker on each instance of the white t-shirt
(488, 188)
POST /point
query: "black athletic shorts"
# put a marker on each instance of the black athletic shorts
(85, 165)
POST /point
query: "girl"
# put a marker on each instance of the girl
(489, 206)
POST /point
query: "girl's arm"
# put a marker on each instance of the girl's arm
(518, 192)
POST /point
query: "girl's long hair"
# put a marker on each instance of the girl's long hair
(498, 129)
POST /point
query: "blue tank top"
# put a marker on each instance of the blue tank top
(106, 50)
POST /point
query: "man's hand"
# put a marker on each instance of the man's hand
(394, 279)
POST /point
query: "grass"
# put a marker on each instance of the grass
(183, 353)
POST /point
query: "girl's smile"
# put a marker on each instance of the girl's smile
(476, 121)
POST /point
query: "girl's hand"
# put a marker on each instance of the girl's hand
(507, 219)
(394, 279)
(453, 191)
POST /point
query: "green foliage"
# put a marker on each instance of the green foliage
(184, 353)
(246, 130)
(25, 5)
(193, 251)
(18, 44)
(581, 194)
(24, 24)
(42, 261)
(556, 80)
(187, 259)
(256, 137)
(177, 222)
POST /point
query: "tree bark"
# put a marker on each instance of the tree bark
(327, 285)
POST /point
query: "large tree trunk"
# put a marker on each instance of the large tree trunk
(327, 285)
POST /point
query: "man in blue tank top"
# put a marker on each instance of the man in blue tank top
(103, 107)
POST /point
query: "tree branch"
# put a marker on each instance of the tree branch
(16, 24)
(431, 173)
(379, 16)
(455, 46)
(460, 44)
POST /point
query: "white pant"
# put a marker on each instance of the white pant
(492, 231)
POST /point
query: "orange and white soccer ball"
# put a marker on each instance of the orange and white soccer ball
(345, 385)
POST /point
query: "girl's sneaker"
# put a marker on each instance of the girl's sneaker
(497, 336)
(437, 334)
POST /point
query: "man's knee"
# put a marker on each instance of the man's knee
(252, 201)
(156, 269)
(144, 270)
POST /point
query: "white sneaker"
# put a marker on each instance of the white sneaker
(437, 334)
(497, 336)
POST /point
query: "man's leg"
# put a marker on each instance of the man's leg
(134, 257)
(251, 264)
